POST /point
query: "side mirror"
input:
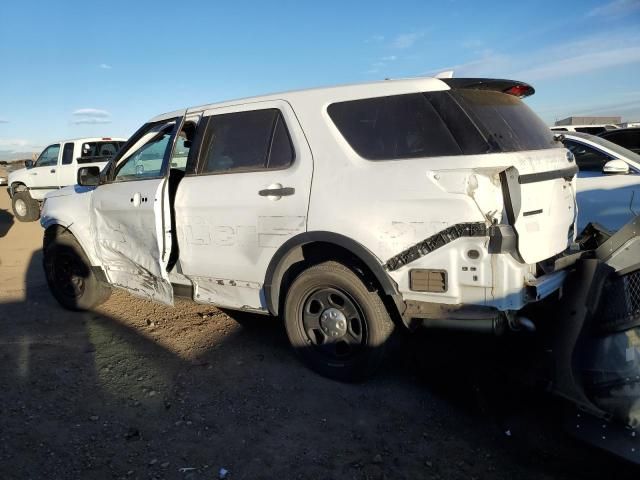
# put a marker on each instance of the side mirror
(615, 167)
(89, 176)
(28, 163)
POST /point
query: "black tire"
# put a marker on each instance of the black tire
(349, 346)
(25, 208)
(69, 275)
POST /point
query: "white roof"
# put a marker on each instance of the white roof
(325, 95)
(92, 139)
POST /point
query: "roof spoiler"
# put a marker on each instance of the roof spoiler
(511, 87)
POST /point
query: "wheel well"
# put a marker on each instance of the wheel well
(305, 255)
(51, 233)
(18, 187)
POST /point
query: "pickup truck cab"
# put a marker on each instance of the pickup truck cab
(347, 211)
(56, 167)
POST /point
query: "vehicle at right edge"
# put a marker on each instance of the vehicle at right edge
(608, 185)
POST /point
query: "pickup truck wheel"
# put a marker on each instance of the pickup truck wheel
(25, 208)
(69, 275)
(338, 327)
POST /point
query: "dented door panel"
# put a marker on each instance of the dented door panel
(129, 239)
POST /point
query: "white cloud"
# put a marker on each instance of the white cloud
(4, 120)
(390, 58)
(406, 40)
(9, 143)
(375, 39)
(90, 116)
(615, 8)
(586, 54)
(91, 112)
(574, 65)
(104, 66)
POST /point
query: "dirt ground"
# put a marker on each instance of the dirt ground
(137, 390)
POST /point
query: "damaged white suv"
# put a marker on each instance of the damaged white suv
(348, 211)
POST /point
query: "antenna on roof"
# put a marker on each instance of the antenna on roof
(445, 74)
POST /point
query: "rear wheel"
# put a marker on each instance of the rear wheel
(338, 327)
(69, 275)
(25, 208)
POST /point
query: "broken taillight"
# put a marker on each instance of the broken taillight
(520, 91)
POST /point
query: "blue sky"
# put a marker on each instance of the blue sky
(71, 69)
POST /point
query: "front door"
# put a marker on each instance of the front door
(43, 178)
(130, 214)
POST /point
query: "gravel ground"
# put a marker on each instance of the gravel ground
(138, 390)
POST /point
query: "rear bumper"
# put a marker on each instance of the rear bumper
(544, 285)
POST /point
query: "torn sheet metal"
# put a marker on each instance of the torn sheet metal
(440, 239)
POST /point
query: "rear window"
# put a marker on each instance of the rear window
(457, 122)
(591, 130)
(505, 121)
(100, 149)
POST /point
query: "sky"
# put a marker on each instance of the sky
(75, 68)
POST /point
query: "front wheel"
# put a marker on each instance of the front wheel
(69, 275)
(338, 327)
(25, 208)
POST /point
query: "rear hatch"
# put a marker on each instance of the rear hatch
(476, 139)
(537, 187)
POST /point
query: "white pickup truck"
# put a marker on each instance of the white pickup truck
(56, 167)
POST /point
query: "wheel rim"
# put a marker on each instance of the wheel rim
(68, 275)
(333, 323)
(21, 207)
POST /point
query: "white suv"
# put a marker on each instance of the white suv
(348, 211)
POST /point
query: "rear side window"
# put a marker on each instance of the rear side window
(399, 126)
(591, 130)
(588, 159)
(627, 138)
(67, 154)
(433, 124)
(246, 141)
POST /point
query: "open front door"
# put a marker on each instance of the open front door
(130, 213)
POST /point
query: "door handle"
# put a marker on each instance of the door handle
(137, 199)
(53, 170)
(277, 192)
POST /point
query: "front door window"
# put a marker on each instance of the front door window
(145, 159)
(49, 157)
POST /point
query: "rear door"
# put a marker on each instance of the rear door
(250, 194)
(67, 172)
(130, 214)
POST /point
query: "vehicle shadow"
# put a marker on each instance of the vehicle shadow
(6, 221)
(137, 390)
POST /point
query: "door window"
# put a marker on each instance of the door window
(246, 141)
(145, 158)
(49, 157)
(67, 154)
(588, 159)
(182, 145)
